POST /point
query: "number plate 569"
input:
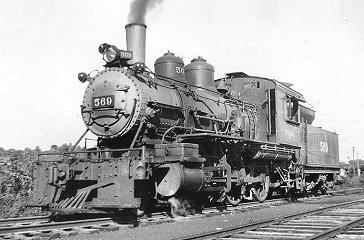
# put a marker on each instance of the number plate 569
(103, 102)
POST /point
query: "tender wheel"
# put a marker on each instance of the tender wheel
(305, 193)
(261, 190)
(270, 193)
(314, 192)
(291, 195)
(323, 190)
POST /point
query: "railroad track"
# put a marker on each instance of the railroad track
(339, 221)
(34, 227)
(43, 227)
(164, 217)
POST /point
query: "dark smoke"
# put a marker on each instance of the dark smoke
(139, 8)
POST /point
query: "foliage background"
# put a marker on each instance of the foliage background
(16, 182)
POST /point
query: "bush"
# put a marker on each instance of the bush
(354, 181)
(16, 182)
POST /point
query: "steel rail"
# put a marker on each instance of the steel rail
(334, 231)
(163, 217)
(227, 232)
(53, 225)
(23, 219)
(44, 227)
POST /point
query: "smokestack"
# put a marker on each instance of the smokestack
(135, 41)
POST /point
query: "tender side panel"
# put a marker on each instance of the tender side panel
(320, 148)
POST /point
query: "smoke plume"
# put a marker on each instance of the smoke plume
(139, 9)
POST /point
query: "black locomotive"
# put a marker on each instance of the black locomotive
(179, 133)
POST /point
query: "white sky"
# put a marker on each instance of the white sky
(316, 45)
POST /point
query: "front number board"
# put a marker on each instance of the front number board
(103, 102)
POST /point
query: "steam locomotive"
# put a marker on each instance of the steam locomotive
(178, 133)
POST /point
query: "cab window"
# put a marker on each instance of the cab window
(292, 109)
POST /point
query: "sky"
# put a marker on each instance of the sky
(318, 45)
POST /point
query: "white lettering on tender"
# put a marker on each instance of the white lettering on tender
(324, 147)
(290, 134)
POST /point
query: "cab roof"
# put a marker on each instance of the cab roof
(283, 86)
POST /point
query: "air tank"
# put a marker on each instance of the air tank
(170, 67)
(199, 73)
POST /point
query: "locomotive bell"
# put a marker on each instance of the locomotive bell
(199, 73)
(222, 88)
(82, 77)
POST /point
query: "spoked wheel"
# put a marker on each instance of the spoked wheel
(261, 190)
(314, 192)
(282, 191)
(305, 193)
(234, 197)
(323, 190)
(291, 195)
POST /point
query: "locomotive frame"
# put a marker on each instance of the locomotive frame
(184, 135)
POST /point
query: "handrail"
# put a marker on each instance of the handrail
(91, 151)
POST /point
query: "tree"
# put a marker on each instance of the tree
(54, 147)
(64, 148)
(37, 149)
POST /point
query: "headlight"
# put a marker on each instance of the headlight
(113, 56)
(110, 54)
(102, 47)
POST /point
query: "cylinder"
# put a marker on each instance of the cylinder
(179, 178)
(135, 41)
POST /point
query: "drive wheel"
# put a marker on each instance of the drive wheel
(261, 190)
(234, 197)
